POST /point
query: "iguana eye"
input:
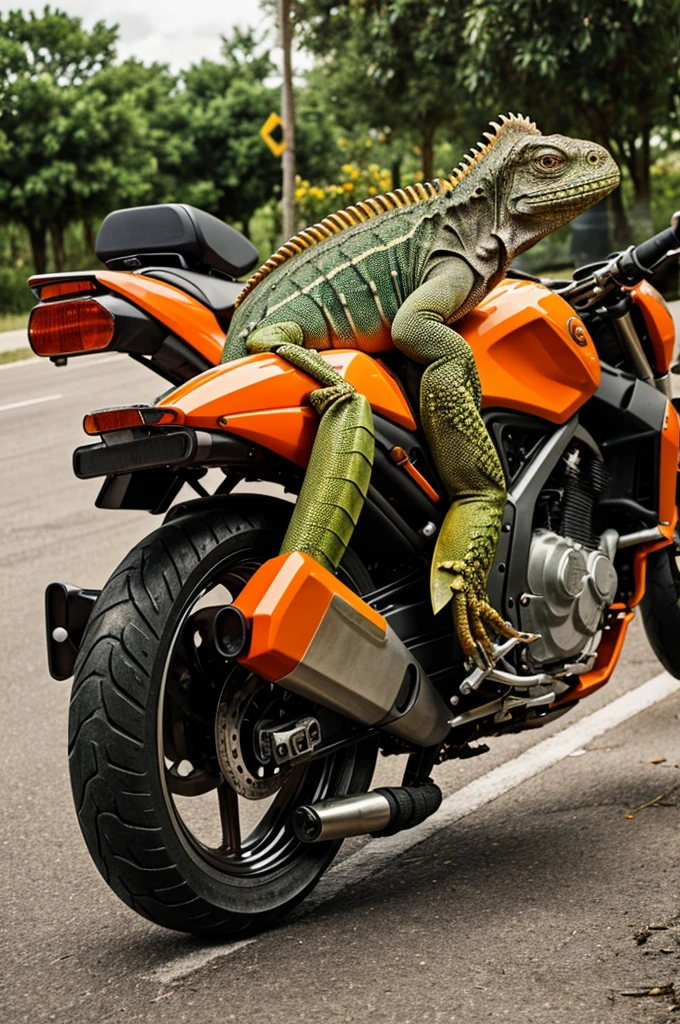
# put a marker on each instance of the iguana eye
(549, 162)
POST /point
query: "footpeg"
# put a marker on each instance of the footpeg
(487, 669)
(382, 812)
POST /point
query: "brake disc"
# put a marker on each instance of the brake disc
(238, 713)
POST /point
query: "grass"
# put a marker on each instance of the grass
(14, 355)
(13, 321)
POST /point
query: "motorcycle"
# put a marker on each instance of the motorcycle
(229, 703)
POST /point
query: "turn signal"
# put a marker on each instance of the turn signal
(104, 420)
(70, 327)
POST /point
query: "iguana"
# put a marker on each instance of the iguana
(398, 270)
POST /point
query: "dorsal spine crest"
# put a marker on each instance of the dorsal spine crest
(376, 206)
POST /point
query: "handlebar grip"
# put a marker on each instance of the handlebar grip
(654, 249)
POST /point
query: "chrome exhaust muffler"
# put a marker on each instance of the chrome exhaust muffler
(382, 812)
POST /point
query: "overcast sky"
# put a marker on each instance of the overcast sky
(176, 32)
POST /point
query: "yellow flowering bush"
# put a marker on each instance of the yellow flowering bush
(314, 202)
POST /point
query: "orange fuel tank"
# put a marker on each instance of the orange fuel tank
(533, 352)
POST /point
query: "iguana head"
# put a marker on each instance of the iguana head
(554, 178)
(537, 182)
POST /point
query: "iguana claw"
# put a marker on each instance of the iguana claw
(472, 613)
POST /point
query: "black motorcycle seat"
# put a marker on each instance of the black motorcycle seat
(214, 292)
(173, 234)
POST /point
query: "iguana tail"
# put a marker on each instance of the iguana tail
(336, 482)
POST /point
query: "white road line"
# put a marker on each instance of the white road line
(377, 855)
(29, 401)
(191, 962)
(75, 364)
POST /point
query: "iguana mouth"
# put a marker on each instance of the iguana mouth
(564, 194)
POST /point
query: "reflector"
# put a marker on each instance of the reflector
(104, 420)
(69, 327)
(53, 291)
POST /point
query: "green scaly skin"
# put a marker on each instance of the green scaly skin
(398, 270)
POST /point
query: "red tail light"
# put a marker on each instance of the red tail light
(69, 327)
(104, 420)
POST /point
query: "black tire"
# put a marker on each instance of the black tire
(661, 607)
(118, 770)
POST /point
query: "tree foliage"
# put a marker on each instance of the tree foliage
(43, 60)
(608, 70)
(390, 66)
(396, 85)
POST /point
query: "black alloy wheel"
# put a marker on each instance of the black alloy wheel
(184, 816)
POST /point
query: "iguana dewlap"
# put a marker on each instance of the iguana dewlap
(399, 269)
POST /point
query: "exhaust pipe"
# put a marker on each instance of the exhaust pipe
(297, 625)
(382, 812)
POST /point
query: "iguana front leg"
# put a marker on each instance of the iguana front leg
(339, 469)
(450, 400)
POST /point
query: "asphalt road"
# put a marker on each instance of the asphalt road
(524, 910)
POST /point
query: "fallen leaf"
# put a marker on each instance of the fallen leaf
(650, 803)
(658, 760)
(660, 990)
(630, 817)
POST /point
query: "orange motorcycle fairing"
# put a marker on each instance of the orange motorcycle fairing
(284, 602)
(313, 636)
(264, 399)
(533, 353)
(612, 642)
(659, 324)
(607, 657)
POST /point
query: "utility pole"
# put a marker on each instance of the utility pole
(288, 115)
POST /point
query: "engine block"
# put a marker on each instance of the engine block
(569, 588)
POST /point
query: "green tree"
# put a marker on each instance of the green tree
(43, 58)
(117, 128)
(105, 149)
(213, 155)
(390, 66)
(608, 70)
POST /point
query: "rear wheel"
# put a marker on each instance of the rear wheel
(661, 606)
(186, 820)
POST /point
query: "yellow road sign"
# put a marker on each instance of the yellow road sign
(272, 133)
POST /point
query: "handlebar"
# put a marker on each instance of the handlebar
(625, 268)
(642, 261)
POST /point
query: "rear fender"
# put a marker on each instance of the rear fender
(265, 399)
(155, 322)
